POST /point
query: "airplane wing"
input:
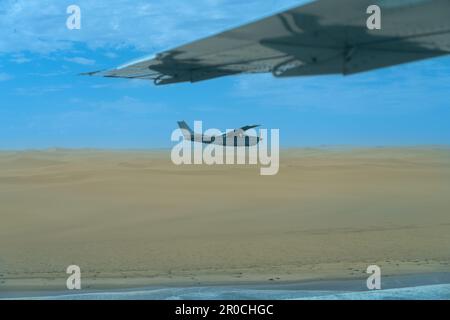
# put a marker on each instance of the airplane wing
(246, 128)
(240, 132)
(321, 37)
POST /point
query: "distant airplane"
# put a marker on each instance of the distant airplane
(321, 37)
(235, 138)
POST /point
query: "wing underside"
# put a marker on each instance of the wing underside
(322, 37)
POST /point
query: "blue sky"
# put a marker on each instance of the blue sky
(44, 103)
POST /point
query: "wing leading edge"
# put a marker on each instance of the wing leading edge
(322, 37)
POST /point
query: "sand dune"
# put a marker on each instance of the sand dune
(133, 218)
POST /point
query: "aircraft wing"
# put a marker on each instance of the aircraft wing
(240, 131)
(246, 128)
(321, 37)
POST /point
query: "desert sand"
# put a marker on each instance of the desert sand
(132, 218)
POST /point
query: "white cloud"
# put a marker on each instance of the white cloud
(19, 59)
(41, 90)
(81, 60)
(4, 76)
(111, 55)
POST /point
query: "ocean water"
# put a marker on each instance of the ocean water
(435, 292)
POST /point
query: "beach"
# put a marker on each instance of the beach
(133, 219)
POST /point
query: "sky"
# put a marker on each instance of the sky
(44, 103)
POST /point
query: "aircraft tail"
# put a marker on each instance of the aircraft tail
(187, 132)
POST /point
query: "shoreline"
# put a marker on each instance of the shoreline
(305, 288)
(340, 274)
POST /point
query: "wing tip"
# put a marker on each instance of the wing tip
(92, 73)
